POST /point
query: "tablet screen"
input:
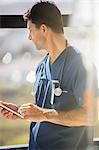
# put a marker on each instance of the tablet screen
(11, 110)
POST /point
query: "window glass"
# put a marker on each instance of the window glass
(18, 60)
(86, 39)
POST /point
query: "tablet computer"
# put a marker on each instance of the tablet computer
(11, 110)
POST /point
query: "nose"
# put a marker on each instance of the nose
(29, 36)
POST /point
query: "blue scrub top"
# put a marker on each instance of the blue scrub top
(53, 136)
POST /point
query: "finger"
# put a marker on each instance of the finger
(1, 109)
(4, 112)
(7, 115)
(23, 113)
(16, 117)
(12, 117)
(23, 109)
(27, 117)
(27, 104)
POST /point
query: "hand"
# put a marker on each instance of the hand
(6, 113)
(32, 112)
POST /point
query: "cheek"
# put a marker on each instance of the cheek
(42, 42)
(35, 37)
(39, 38)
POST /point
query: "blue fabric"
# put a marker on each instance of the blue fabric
(57, 137)
(42, 72)
(74, 81)
(36, 128)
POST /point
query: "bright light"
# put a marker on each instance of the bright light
(31, 77)
(26, 56)
(16, 76)
(7, 58)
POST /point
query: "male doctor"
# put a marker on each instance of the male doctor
(59, 117)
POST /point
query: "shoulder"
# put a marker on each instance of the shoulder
(79, 58)
(82, 64)
(75, 58)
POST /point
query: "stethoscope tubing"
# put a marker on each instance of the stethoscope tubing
(53, 89)
(38, 123)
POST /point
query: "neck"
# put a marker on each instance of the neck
(55, 46)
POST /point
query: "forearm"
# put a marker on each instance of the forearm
(84, 115)
(76, 117)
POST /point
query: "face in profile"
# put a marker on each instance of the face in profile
(36, 35)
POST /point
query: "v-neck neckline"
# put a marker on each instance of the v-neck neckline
(59, 56)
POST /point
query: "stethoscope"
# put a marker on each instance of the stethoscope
(56, 86)
(56, 89)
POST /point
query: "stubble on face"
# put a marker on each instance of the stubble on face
(36, 35)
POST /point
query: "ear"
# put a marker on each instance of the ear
(44, 29)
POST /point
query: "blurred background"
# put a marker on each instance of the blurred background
(19, 57)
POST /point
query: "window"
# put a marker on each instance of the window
(19, 58)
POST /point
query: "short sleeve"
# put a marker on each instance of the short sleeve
(79, 84)
(77, 78)
(66, 101)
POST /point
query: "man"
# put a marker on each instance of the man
(59, 117)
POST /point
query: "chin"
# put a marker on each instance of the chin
(39, 48)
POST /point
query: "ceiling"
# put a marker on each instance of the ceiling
(18, 7)
(84, 12)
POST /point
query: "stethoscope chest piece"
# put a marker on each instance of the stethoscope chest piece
(57, 91)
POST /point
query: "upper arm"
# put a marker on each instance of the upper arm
(85, 86)
(79, 83)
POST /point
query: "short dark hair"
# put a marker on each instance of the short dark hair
(47, 13)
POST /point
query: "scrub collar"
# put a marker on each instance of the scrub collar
(42, 72)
